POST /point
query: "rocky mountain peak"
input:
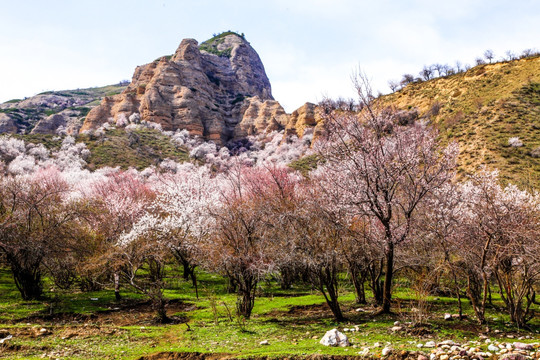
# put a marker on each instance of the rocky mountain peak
(204, 88)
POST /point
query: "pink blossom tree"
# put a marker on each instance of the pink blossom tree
(383, 170)
(120, 200)
(499, 241)
(37, 221)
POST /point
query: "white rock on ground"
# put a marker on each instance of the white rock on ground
(387, 350)
(335, 338)
(523, 346)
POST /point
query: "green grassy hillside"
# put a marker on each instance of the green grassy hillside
(138, 148)
(483, 108)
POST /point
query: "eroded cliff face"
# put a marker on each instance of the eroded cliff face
(218, 90)
(305, 117)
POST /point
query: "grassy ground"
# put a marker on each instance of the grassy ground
(139, 149)
(93, 325)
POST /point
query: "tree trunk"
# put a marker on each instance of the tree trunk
(246, 297)
(387, 295)
(375, 273)
(333, 303)
(231, 285)
(358, 278)
(28, 281)
(116, 276)
(159, 303)
(187, 270)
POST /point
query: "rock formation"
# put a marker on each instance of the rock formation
(218, 90)
(53, 111)
(7, 124)
(303, 118)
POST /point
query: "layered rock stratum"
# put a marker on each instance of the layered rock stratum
(217, 90)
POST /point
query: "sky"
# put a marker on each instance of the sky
(310, 49)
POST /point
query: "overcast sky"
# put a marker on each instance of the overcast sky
(309, 48)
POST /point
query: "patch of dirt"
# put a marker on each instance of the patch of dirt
(125, 314)
(403, 355)
(419, 331)
(310, 310)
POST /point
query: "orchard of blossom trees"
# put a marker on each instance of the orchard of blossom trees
(384, 203)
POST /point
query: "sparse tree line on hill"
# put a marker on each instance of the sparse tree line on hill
(441, 70)
(383, 203)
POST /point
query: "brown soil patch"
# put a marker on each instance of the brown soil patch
(310, 310)
(403, 355)
(125, 314)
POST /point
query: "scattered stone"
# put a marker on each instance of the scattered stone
(346, 330)
(41, 332)
(397, 323)
(5, 339)
(364, 352)
(356, 328)
(360, 310)
(444, 357)
(386, 351)
(513, 356)
(448, 317)
(430, 344)
(447, 342)
(493, 348)
(422, 357)
(397, 328)
(377, 344)
(523, 346)
(335, 338)
(432, 356)
(420, 345)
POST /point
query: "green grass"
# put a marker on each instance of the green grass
(211, 45)
(305, 164)
(293, 321)
(51, 142)
(140, 149)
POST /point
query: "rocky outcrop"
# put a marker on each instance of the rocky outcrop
(261, 116)
(218, 90)
(303, 118)
(68, 121)
(7, 124)
(53, 111)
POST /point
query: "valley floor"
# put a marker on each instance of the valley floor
(92, 325)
